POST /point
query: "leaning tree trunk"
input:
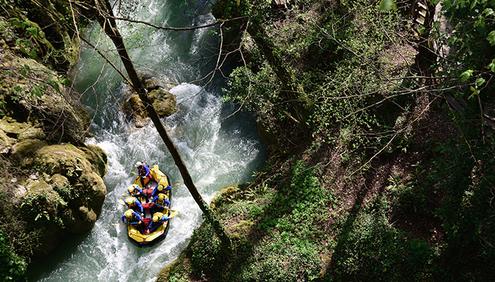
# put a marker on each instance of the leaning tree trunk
(106, 20)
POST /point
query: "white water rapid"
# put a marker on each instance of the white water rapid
(218, 151)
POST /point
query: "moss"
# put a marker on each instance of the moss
(20, 130)
(32, 92)
(224, 196)
(97, 157)
(5, 142)
(206, 254)
(163, 101)
(176, 271)
(41, 204)
(23, 151)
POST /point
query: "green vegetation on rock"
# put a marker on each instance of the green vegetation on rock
(48, 189)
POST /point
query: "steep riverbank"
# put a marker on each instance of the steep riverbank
(51, 182)
(380, 165)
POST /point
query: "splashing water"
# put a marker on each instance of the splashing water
(217, 152)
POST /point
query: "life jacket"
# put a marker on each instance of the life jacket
(154, 174)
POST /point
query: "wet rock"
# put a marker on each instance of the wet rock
(163, 101)
(97, 158)
(135, 111)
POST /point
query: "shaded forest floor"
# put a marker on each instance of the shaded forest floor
(383, 180)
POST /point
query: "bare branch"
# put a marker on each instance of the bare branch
(218, 22)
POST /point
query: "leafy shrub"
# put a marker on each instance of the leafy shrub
(371, 249)
(12, 267)
(206, 252)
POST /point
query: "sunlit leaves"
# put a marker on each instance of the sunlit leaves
(491, 38)
(466, 75)
(387, 5)
(480, 81)
(491, 66)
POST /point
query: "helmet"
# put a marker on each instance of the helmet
(157, 216)
(162, 197)
(130, 188)
(130, 200)
(128, 214)
(139, 164)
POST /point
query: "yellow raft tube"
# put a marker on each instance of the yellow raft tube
(161, 232)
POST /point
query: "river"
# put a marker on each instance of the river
(218, 150)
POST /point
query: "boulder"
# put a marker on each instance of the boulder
(86, 185)
(163, 101)
(135, 111)
(23, 151)
(66, 193)
(30, 92)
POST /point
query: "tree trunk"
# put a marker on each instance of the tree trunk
(106, 20)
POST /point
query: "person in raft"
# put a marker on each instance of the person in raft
(134, 190)
(131, 217)
(161, 203)
(134, 204)
(158, 219)
(145, 175)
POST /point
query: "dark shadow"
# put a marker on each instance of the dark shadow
(384, 166)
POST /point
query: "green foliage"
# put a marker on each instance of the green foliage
(41, 30)
(206, 252)
(42, 209)
(348, 89)
(32, 41)
(371, 249)
(292, 245)
(466, 212)
(12, 267)
(284, 258)
(471, 46)
(387, 5)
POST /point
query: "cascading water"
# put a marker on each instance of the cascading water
(217, 151)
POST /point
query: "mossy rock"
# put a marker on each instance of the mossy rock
(23, 151)
(97, 157)
(20, 130)
(41, 204)
(68, 196)
(33, 93)
(225, 195)
(80, 169)
(6, 142)
(153, 82)
(164, 102)
(241, 229)
(134, 110)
